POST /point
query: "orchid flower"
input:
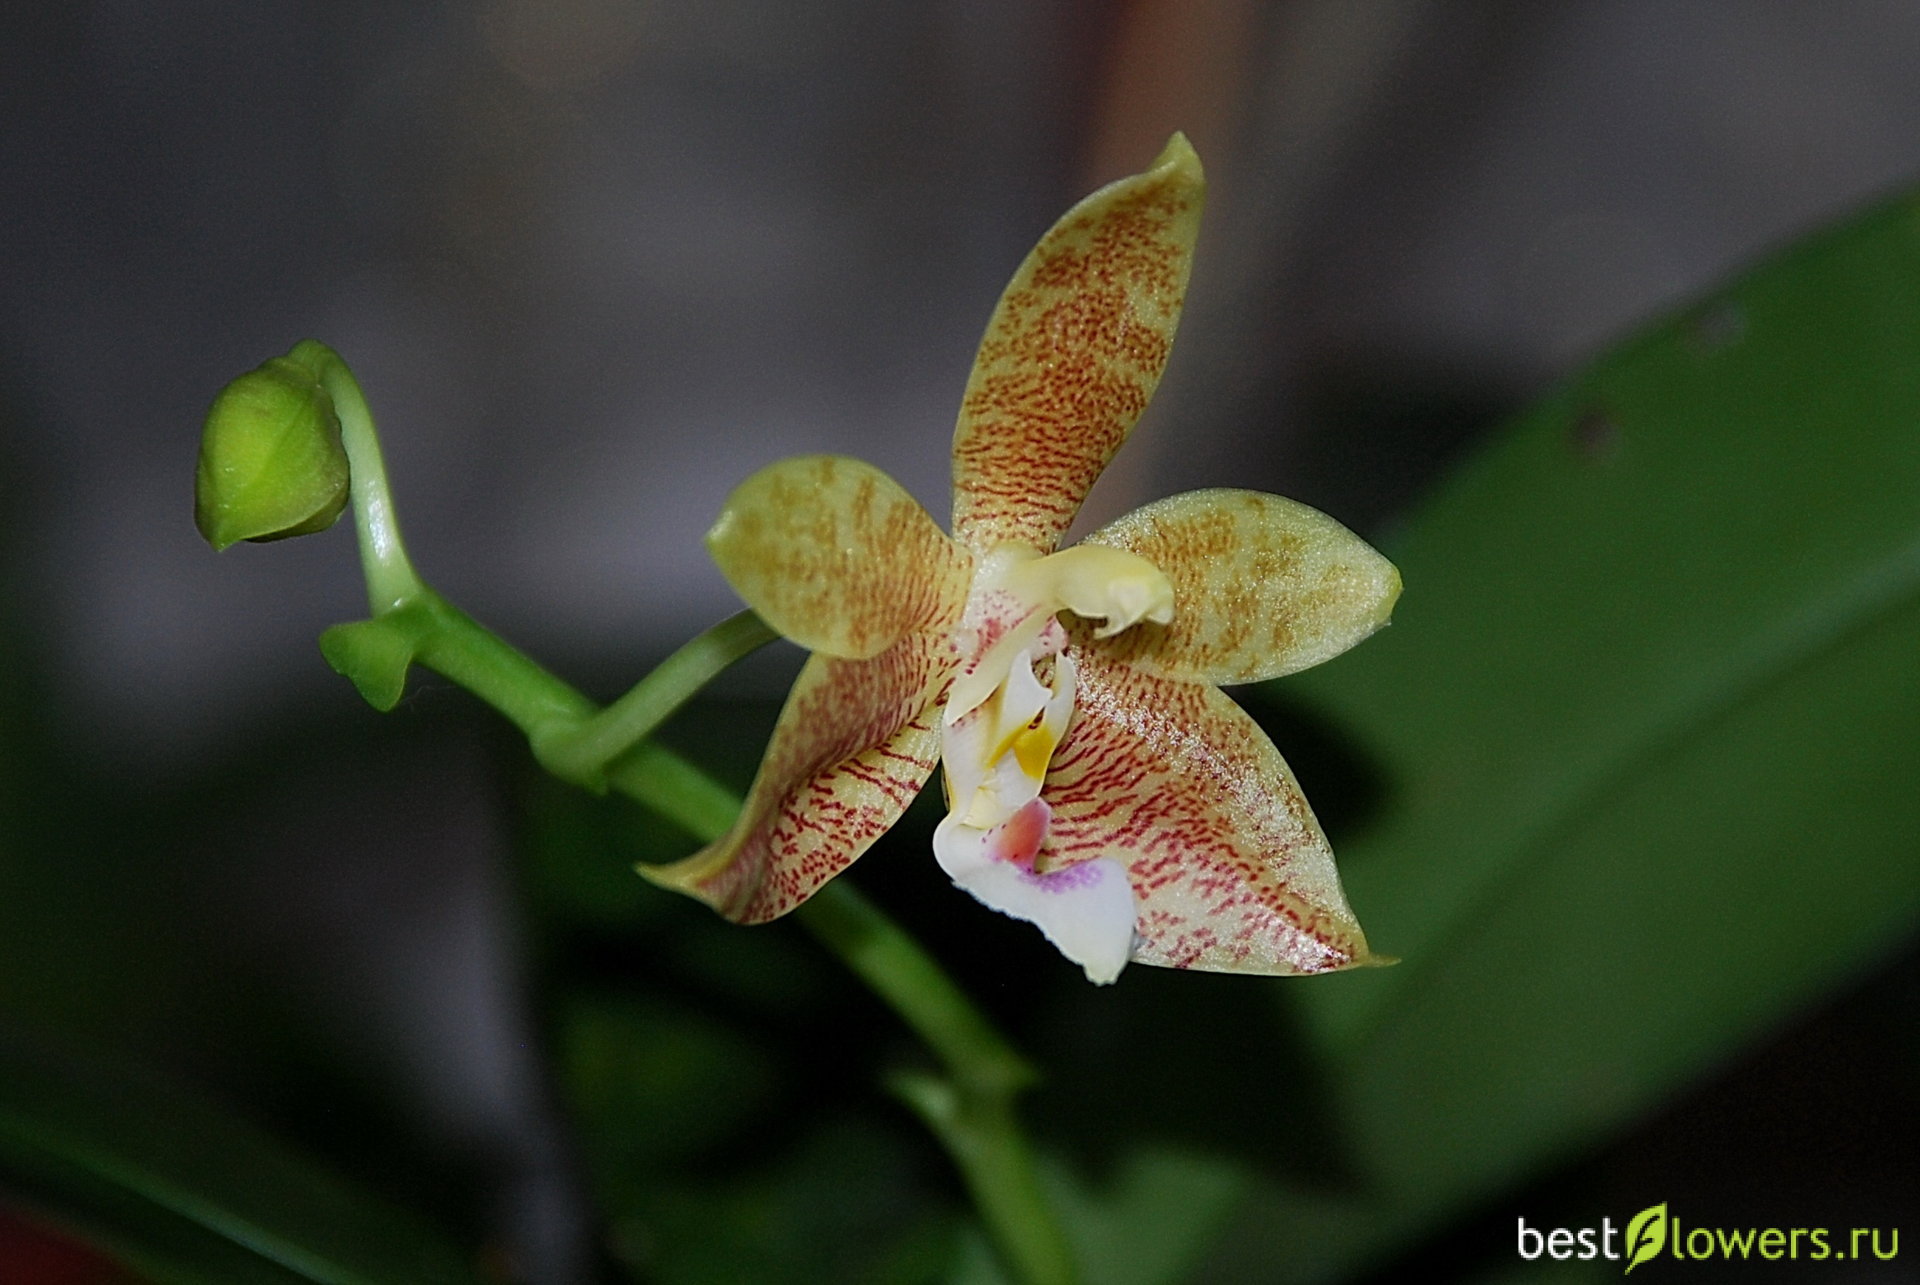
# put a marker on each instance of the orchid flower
(1098, 782)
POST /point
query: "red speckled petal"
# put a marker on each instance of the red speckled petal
(835, 555)
(1229, 866)
(1072, 354)
(854, 744)
(1262, 586)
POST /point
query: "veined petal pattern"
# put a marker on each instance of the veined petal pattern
(855, 742)
(1229, 866)
(837, 556)
(1072, 354)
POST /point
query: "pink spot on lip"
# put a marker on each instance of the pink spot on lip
(1018, 838)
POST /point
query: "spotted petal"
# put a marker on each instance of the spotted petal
(1072, 354)
(1262, 586)
(834, 554)
(1228, 865)
(854, 744)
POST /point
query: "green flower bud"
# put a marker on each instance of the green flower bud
(271, 462)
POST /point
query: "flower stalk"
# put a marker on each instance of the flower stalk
(970, 1107)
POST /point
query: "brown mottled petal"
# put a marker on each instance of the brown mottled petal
(1262, 586)
(1230, 869)
(1072, 354)
(834, 554)
(854, 744)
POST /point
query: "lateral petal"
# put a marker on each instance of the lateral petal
(855, 742)
(1262, 586)
(1230, 869)
(837, 556)
(1072, 354)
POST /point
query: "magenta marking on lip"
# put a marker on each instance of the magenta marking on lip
(1068, 880)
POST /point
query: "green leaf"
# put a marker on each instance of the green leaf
(187, 1193)
(1646, 1235)
(1646, 720)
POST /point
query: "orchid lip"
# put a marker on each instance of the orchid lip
(1087, 911)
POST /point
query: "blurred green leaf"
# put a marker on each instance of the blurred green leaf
(1647, 718)
(650, 1082)
(186, 1193)
(844, 1201)
(1154, 1221)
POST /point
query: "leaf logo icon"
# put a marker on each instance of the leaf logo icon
(1646, 1234)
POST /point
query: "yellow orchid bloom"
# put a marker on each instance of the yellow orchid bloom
(1098, 782)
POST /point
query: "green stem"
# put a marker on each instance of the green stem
(983, 1135)
(391, 580)
(971, 1108)
(581, 754)
(654, 775)
(906, 977)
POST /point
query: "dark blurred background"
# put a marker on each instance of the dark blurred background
(596, 260)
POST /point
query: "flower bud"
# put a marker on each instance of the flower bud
(271, 462)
